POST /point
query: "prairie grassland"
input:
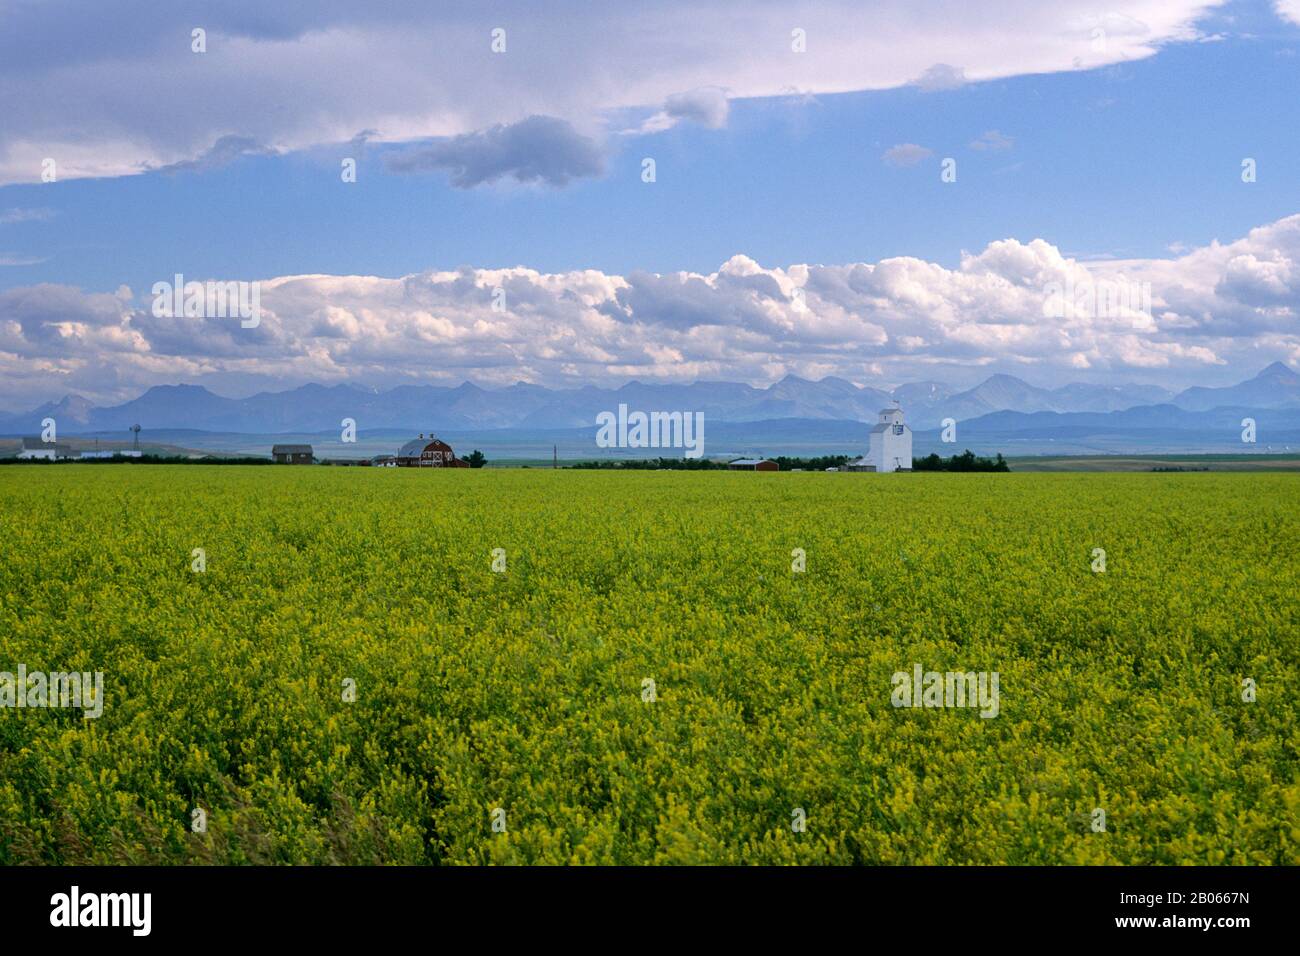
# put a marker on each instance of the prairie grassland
(524, 691)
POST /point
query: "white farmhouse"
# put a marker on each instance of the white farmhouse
(891, 442)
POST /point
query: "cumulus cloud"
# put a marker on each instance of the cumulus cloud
(1016, 305)
(223, 152)
(706, 106)
(1288, 10)
(295, 75)
(941, 76)
(537, 149)
(906, 154)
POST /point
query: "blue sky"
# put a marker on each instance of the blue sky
(1101, 163)
(1139, 159)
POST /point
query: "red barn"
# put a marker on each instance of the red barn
(428, 453)
(753, 464)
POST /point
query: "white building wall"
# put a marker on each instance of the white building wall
(888, 451)
(898, 450)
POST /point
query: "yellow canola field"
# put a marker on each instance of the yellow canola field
(321, 665)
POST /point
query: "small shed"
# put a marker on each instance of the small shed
(859, 464)
(292, 454)
(753, 464)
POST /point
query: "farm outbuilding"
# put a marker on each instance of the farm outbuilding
(753, 464)
(36, 448)
(292, 454)
(428, 453)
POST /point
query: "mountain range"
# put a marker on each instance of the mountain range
(432, 408)
(793, 416)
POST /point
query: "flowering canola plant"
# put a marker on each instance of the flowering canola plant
(326, 665)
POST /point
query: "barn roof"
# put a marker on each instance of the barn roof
(291, 449)
(414, 447)
(749, 461)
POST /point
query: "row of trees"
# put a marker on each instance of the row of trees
(476, 459)
(651, 464)
(966, 461)
(705, 464)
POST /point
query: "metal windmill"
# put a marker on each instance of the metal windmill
(135, 444)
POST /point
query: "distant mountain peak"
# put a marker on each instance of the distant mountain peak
(1001, 378)
(1279, 371)
(180, 388)
(338, 388)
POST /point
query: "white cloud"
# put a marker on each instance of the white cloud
(1288, 10)
(941, 76)
(992, 140)
(1234, 303)
(223, 152)
(292, 75)
(706, 106)
(537, 149)
(906, 154)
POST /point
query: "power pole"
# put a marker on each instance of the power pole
(555, 456)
